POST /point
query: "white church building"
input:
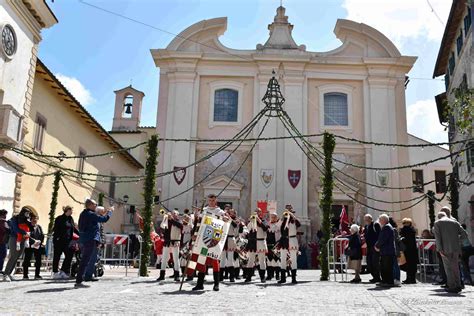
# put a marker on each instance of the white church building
(208, 91)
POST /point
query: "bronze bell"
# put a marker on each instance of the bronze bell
(128, 109)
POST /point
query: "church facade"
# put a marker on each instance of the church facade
(209, 91)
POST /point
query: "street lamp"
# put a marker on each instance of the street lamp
(61, 156)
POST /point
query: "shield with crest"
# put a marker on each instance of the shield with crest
(294, 177)
(266, 175)
(179, 174)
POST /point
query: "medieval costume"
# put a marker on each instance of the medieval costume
(172, 227)
(289, 244)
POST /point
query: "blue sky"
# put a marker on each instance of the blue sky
(95, 53)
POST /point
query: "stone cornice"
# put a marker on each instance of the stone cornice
(27, 18)
(182, 76)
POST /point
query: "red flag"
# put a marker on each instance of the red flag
(344, 220)
(263, 205)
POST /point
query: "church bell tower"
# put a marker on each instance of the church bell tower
(128, 107)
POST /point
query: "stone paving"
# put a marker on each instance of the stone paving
(119, 295)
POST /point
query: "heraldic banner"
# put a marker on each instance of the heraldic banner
(209, 243)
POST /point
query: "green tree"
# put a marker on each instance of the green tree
(461, 108)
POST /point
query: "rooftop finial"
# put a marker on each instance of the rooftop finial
(280, 33)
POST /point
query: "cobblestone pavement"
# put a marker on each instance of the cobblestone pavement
(118, 295)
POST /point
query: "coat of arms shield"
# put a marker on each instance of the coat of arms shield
(179, 174)
(266, 175)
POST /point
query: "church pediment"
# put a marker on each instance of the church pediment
(221, 182)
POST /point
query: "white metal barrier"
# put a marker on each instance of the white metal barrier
(337, 260)
(118, 251)
(428, 258)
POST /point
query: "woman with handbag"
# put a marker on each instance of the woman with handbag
(354, 250)
(408, 234)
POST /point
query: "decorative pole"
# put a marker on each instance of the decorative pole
(431, 208)
(329, 144)
(54, 201)
(454, 194)
(148, 195)
(100, 202)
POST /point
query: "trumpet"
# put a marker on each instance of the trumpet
(162, 212)
(253, 216)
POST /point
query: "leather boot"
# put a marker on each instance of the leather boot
(248, 275)
(270, 273)
(262, 275)
(221, 274)
(277, 273)
(226, 273)
(231, 274)
(176, 276)
(162, 275)
(216, 281)
(237, 273)
(293, 276)
(282, 277)
(200, 282)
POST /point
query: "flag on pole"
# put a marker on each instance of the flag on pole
(344, 220)
(263, 205)
(209, 243)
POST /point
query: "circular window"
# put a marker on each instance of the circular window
(9, 42)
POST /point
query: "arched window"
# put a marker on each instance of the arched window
(226, 105)
(336, 111)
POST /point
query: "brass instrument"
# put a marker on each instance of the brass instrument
(162, 211)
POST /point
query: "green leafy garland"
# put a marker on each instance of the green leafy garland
(329, 144)
(54, 201)
(431, 208)
(148, 195)
(454, 194)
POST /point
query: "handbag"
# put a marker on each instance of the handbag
(402, 259)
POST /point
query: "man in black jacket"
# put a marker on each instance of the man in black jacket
(385, 245)
(371, 234)
(35, 249)
(63, 230)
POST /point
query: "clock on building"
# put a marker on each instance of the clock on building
(9, 41)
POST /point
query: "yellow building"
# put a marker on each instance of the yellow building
(60, 124)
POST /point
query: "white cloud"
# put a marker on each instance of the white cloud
(423, 122)
(401, 19)
(77, 89)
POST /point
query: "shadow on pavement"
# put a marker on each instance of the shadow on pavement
(178, 292)
(60, 281)
(147, 282)
(284, 284)
(379, 288)
(61, 289)
(447, 294)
